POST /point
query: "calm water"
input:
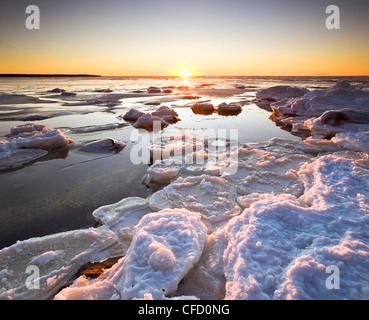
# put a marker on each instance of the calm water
(60, 191)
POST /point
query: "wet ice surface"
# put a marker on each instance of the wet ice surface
(69, 180)
(259, 219)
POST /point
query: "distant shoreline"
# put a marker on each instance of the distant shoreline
(14, 75)
(20, 75)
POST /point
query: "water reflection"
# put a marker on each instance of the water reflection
(59, 191)
(60, 153)
(205, 112)
(229, 112)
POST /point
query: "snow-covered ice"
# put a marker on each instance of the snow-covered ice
(166, 113)
(204, 194)
(357, 141)
(163, 116)
(29, 142)
(123, 214)
(57, 257)
(28, 127)
(342, 107)
(272, 242)
(272, 229)
(164, 248)
(280, 93)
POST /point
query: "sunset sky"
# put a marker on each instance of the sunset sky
(209, 37)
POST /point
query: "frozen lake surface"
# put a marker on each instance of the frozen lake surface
(256, 215)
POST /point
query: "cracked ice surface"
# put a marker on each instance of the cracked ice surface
(280, 246)
(165, 246)
(268, 230)
(58, 258)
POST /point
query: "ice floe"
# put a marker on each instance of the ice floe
(23, 141)
(16, 158)
(153, 90)
(104, 145)
(163, 116)
(280, 247)
(229, 109)
(37, 137)
(104, 127)
(123, 214)
(204, 194)
(147, 121)
(273, 228)
(203, 108)
(341, 110)
(164, 248)
(68, 94)
(258, 243)
(28, 127)
(357, 141)
(341, 96)
(280, 93)
(166, 113)
(132, 115)
(56, 90)
(57, 258)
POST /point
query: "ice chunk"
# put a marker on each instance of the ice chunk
(278, 244)
(316, 102)
(35, 117)
(229, 109)
(358, 141)
(68, 94)
(36, 136)
(147, 122)
(166, 113)
(105, 145)
(87, 129)
(107, 90)
(280, 93)
(45, 139)
(56, 90)
(124, 213)
(133, 115)
(18, 150)
(213, 197)
(206, 279)
(19, 157)
(340, 108)
(203, 108)
(29, 127)
(336, 121)
(57, 257)
(153, 90)
(162, 173)
(307, 277)
(264, 171)
(165, 246)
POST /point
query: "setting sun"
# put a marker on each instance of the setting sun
(185, 73)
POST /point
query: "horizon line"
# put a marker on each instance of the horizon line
(159, 76)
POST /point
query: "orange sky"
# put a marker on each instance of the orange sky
(214, 37)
